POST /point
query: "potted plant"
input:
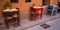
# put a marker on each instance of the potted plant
(6, 5)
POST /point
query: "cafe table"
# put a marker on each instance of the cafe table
(36, 9)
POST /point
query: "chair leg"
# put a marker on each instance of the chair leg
(46, 11)
(52, 13)
(56, 10)
(7, 25)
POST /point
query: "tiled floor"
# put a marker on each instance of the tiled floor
(35, 25)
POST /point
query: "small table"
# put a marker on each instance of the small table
(38, 9)
(11, 16)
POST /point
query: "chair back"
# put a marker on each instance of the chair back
(55, 8)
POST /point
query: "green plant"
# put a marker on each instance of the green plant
(7, 4)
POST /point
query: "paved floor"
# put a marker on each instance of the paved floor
(26, 24)
(54, 25)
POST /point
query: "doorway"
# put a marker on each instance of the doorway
(45, 2)
(59, 5)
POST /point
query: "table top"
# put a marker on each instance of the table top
(37, 8)
(10, 10)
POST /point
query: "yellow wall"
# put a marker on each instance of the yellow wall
(25, 6)
(1, 4)
(54, 2)
(22, 5)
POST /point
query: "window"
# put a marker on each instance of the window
(45, 2)
(14, 1)
(58, 0)
(27, 0)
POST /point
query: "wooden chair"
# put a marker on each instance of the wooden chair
(51, 10)
(11, 17)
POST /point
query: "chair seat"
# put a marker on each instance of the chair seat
(49, 10)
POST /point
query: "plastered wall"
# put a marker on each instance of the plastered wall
(22, 5)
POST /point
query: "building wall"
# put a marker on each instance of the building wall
(54, 2)
(25, 6)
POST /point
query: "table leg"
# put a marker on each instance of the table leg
(41, 14)
(34, 16)
(6, 23)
